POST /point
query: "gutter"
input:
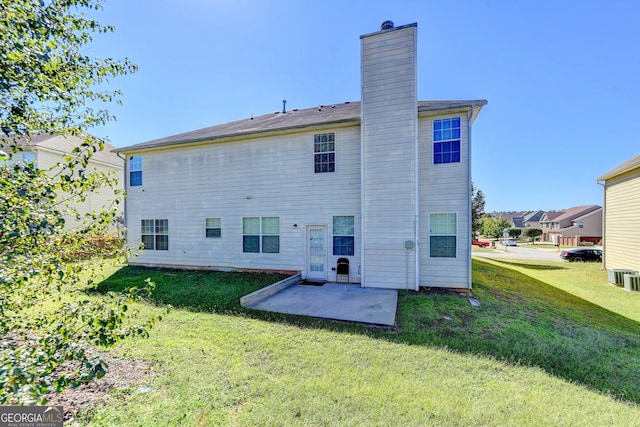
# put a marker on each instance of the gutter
(470, 116)
(124, 187)
(235, 136)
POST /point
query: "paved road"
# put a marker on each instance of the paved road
(519, 252)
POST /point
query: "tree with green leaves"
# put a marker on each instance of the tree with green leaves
(494, 227)
(532, 233)
(49, 323)
(515, 232)
(477, 209)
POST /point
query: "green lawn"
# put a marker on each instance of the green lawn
(551, 344)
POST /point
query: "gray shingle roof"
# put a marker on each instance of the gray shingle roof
(630, 164)
(347, 112)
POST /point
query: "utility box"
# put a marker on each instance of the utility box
(616, 275)
(632, 282)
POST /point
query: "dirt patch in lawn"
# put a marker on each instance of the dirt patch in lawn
(122, 374)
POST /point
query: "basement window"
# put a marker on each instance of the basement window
(324, 152)
(446, 140)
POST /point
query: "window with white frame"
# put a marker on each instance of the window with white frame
(324, 152)
(213, 227)
(155, 234)
(446, 140)
(28, 157)
(135, 171)
(343, 235)
(261, 235)
(442, 235)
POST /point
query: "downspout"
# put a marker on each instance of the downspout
(604, 222)
(416, 214)
(469, 207)
(124, 186)
(362, 190)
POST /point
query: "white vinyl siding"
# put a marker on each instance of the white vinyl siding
(389, 132)
(286, 186)
(444, 188)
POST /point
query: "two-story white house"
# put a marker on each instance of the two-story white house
(47, 151)
(383, 184)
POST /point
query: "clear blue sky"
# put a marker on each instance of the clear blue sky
(562, 77)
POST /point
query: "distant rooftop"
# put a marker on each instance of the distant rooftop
(66, 145)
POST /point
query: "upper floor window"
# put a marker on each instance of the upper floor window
(213, 227)
(343, 235)
(155, 234)
(28, 156)
(261, 234)
(135, 171)
(446, 140)
(324, 152)
(442, 235)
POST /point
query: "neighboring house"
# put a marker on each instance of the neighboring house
(49, 150)
(514, 219)
(383, 184)
(621, 230)
(575, 222)
(546, 222)
(532, 219)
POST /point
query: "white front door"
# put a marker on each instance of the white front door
(317, 253)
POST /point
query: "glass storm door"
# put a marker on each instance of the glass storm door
(316, 265)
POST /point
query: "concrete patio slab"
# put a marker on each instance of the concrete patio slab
(333, 301)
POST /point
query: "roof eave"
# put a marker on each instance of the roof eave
(232, 136)
(475, 106)
(628, 166)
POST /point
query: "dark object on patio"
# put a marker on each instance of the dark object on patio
(342, 271)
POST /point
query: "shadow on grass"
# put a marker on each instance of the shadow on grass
(530, 266)
(521, 320)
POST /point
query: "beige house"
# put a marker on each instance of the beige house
(621, 230)
(49, 150)
(578, 222)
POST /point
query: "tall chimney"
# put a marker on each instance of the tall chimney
(389, 147)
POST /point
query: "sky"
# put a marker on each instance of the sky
(562, 77)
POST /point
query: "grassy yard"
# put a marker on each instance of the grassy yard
(551, 344)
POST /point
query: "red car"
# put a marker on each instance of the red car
(480, 243)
